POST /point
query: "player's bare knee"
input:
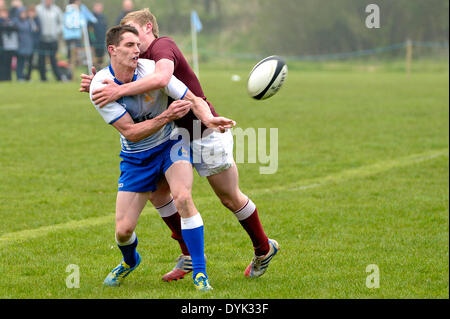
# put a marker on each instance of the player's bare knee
(227, 202)
(123, 236)
(124, 232)
(159, 200)
(182, 199)
(233, 203)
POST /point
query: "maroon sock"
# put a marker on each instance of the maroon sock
(249, 219)
(174, 223)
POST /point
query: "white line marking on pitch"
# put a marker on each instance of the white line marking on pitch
(42, 231)
(359, 172)
(343, 176)
(11, 107)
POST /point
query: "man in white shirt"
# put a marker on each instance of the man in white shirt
(51, 19)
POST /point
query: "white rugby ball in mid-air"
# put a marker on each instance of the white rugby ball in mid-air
(267, 78)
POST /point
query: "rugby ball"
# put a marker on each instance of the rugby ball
(267, 78)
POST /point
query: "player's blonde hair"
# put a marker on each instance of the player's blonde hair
(142, 17)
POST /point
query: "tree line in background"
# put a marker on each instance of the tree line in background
(294, 27)
(318, 27)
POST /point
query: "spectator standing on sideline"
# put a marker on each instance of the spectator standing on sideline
(98, 32)
(127, 7)
(51, 18)
(2, 21)
(9, 43)
(14, 12)
(76, 16)
(36, 36)
(25, 50)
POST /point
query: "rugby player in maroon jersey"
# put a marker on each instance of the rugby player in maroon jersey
(222, 173)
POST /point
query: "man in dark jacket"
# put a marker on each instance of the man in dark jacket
(97, 34)
(25, 51)
(127, 7)
(36, 30)
(9, 43)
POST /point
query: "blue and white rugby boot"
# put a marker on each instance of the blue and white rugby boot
(259, 264)
(201, 282)
(117, 275)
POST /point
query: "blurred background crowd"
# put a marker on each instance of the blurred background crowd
(32, 36)
(48, 38)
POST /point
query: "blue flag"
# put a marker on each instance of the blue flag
(195, 20)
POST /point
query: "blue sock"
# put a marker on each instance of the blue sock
(192, 232)
(129, 251)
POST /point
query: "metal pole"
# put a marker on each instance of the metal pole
(195, 49)
(87, 46)
(409, 55)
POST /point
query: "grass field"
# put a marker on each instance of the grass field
(363, 178)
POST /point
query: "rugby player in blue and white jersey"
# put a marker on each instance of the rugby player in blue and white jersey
(145, 123)
(221, 171)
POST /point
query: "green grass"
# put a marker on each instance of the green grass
(362, 179)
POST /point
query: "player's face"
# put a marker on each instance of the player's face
(142, 36)
(127, 52)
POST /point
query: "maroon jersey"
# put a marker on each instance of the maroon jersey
(165, 48)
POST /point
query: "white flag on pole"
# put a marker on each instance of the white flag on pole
(196, 26)
(195, 20)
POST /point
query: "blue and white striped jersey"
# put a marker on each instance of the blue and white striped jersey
(140, 107)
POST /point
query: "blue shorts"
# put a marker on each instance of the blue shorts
(140, 172)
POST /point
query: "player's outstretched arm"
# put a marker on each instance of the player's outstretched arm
(86, 80)
(157, 80)
(203, 113)
(136, 132)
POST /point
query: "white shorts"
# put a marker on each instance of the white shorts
(213, 154)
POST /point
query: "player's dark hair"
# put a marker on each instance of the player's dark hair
(114, 35)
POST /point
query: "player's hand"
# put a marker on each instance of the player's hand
(106, 94)
(178, 109)
(220, 124)
(86, 80)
